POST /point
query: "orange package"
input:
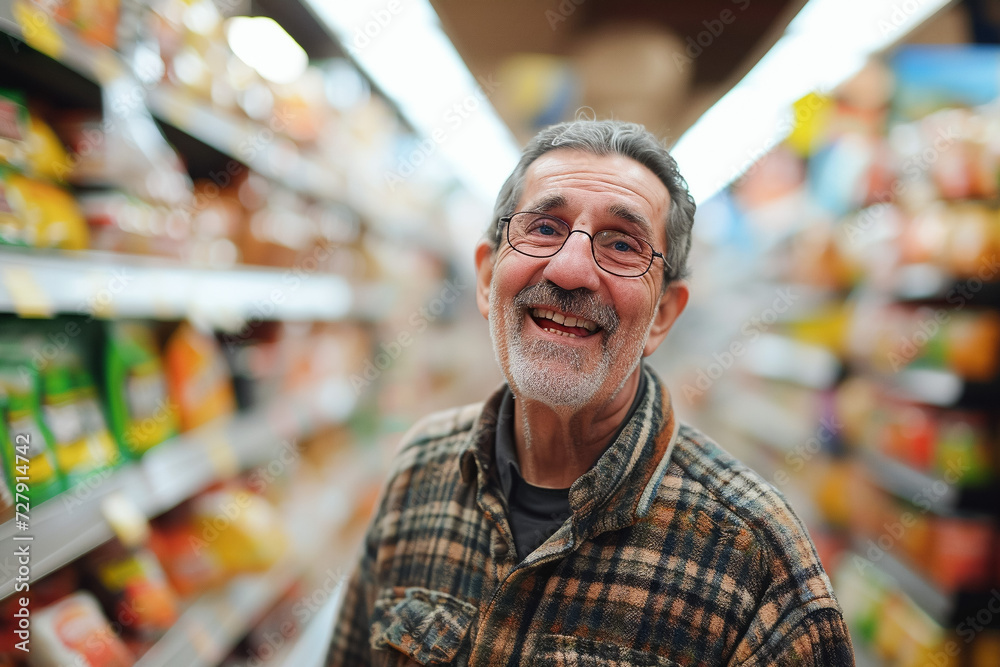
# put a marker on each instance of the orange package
(198, 377)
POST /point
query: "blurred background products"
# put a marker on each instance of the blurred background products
(229, 283)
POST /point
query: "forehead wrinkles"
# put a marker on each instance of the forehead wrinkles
(560, 172)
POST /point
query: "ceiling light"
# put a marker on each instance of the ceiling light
(402, 48)
(824, 45)
(265, 46)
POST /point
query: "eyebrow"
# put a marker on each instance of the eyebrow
(620, 211)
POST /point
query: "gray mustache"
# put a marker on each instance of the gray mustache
(581, 302)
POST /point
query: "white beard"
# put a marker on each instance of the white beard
(552, 373)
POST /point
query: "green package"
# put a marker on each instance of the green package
(140, 413)
(28, 455)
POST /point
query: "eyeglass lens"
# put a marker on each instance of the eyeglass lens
(540, 235)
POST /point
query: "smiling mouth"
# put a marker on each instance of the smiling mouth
(571, 326)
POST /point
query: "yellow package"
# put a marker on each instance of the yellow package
(46, 157)
(248, 530)
(49, 216)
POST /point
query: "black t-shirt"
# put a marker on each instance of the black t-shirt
(535, 512)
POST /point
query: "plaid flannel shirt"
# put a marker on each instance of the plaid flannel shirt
(675, 554)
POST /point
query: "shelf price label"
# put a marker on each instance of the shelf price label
(27, 296)
(126, 519)
(221, 454)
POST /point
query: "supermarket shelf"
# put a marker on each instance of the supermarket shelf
(42, 283)
(254, 144)
(928, 283)
(74, 522)
(310, 647)
(939, 605)
(208, 629)
(907, 483)
(780, 358)
(766, 421)
(941, 388)
(94, 61)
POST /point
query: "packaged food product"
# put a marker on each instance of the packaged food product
(74, 631)
(134, 589)
(251, 541)
(96, 20)
(13, 127)
(122, 223)
(10, 225)
(80, 439)
(44, 153)
(197, 376)
(30, 442)
(962, 552)
(49, 216)
(6, 495)
(140, 412)
(185, 550)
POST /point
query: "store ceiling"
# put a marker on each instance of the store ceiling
(488, 32)
(631, 75)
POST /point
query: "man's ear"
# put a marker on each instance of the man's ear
(671, 305)
(484, 274)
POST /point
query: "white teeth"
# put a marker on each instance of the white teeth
(561, 333)
(562, 319)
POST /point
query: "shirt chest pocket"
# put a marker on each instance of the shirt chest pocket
(563, 651)
(428, 626)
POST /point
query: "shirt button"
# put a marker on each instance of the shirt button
(500, 546)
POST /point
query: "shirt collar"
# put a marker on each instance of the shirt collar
(622, 483)
(507, 464)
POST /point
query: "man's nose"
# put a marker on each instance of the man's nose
(574, 266)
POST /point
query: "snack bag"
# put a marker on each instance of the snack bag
(28, 447)
(74, 631)
(198, 377)
(140, 413)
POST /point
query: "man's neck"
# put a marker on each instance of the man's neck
(555, 446)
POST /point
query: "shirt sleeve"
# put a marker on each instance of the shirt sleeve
(821, 639)
(349, 645)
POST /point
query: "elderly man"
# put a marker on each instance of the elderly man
(571, 519)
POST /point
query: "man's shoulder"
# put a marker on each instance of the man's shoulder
(703, 475)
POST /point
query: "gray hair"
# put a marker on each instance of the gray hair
(610, 137)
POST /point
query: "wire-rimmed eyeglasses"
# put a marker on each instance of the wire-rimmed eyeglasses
(542, 235)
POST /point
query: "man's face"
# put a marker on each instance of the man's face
(529, 301)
